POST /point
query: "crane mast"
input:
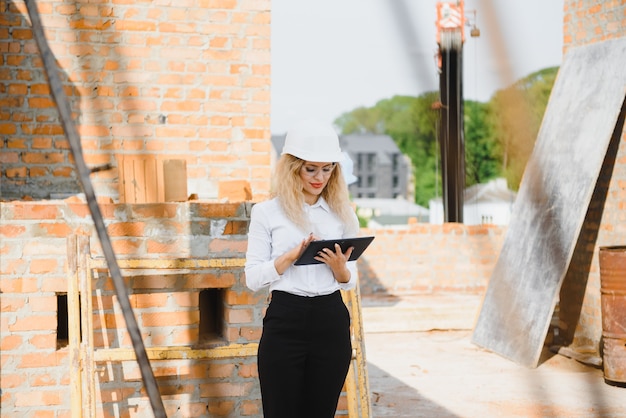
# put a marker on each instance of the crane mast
(450, 38)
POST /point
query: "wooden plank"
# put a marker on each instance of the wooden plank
(178, 353)
(86, 313)
(175, 180)
(362, 407)
(73, 321)
(139, 180)
(160, 182)
(120, 178)
(171, 263)
(129, 178)
(583, 112)
(150, 179)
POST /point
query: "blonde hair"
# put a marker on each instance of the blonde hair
(287, 187)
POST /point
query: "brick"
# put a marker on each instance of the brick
(170, 318)
(44, 341)
(34, 323)
(228, 246)
(248, 371)
(232, 297)
(12, 303)
(219, 371)
(38, 398)
(148, 300)
(207, 281)
(222, 408)
(126, 229)
(42, 303)
(186, 299)
(12, 231)
(216, 390)
(44, 379)
(185, 336)
(250, 407)
(239, 316)
(176, 246)
(8, 343)
(251, 333)
(42, 266)
(169, 281)
(10, 380)
(126, 246)
(42, 359)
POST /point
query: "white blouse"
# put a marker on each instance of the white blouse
(271, 234)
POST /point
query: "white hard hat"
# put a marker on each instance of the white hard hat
(346, 168)
(311, 140)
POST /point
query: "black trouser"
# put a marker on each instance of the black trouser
(304, 355)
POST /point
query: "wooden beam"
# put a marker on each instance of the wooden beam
(174, 263)
(178, 353)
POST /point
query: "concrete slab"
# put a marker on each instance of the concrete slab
(433, 370)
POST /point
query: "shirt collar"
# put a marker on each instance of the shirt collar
(321, 203)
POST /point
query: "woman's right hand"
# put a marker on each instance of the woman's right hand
(283, 262)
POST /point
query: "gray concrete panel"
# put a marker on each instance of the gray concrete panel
(547, 217)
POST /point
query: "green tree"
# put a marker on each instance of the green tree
(499, 135)
(482, 159)
(412, 124)
(514, 118)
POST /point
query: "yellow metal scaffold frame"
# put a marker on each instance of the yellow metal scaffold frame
(83, 355)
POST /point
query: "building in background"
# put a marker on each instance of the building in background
(385, 213)
(488, 203)
(381, 169)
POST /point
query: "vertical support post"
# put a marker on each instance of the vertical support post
(73, 315)
(450, 37)
(361, 360)
(357, 383)
(351, 395)
(86, 314)
(451, 140)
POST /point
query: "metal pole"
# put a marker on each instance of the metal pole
(71, 133)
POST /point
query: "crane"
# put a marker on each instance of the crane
(450, 38)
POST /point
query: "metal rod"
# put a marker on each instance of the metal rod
(71, 133)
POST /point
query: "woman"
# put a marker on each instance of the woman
(305, 348)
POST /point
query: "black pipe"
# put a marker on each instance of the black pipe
(451, 139)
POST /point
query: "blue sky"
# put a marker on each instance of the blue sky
(331, 56)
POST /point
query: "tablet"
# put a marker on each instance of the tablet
(310, 252)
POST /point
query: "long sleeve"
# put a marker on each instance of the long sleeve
(271, 234)
(259, 268)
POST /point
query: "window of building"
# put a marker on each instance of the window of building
(371, 161)
(360, 161)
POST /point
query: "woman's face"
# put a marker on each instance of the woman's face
(314, 178)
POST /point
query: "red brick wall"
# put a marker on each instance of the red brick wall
(34, 268)
(430, 258)
(585, 22)
(188, 80)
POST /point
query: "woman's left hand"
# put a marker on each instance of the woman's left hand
(336, 260)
